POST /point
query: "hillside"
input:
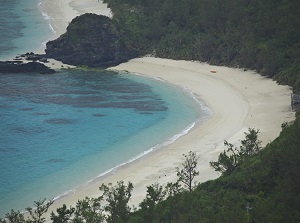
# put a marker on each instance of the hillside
(265, 188)
(259, 35)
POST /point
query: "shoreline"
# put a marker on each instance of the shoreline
(103, 175)
(203, 114)
(238, 100)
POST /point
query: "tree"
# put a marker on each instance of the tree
(226, 162)
(250, 145)
(229, 160)
(155, 194)
(13, 217)
(41, 207)
(173, 188)
(89, 210)
(188, 172)
(117, 198)
(63, 214)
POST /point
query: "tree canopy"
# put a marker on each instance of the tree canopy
(258, 35)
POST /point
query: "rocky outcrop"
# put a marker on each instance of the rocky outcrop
(33, 57)
(90, 40)
(7, 67)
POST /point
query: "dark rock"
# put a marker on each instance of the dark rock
(35, 57)
(43, 60)
(91, 40)
(15, 61)
(17, 67)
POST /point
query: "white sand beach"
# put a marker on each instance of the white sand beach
(238, 100)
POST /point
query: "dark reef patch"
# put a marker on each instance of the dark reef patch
(137, 105)
(26, 109)
(146, 113)
(42, 113)
(55, 160)
(61, 121)
(98, 115)
(132, 97)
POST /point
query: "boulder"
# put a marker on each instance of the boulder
(43, 60)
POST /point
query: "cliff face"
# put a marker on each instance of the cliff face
(90, 40)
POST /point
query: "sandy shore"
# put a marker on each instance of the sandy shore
(238, 99)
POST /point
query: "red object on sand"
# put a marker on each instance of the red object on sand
(213, 71)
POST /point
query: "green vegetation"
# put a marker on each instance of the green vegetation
(82, 27)
(35, 214)
(188, 172)
(227, 163)
(259, 35)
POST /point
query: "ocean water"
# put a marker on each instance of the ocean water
(23, 27)
(61, 131)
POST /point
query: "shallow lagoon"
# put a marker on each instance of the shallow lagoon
(61, 131)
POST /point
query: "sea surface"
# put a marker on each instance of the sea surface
(23, 27)
(60, 131)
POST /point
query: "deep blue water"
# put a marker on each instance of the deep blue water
(60, 131)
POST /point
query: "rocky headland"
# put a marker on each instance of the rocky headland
(91, 40)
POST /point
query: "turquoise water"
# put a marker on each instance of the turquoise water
(24, 27)
(60, 131)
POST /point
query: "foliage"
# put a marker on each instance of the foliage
(226, 164)
(155, 194)
(89, 210)
(40, 208)
(188, 172)
(250, 145)
(117, 198)
(229, 160)
(63, 214)
(36, 213)
(265, 188)
(13, 217)
(259, 35)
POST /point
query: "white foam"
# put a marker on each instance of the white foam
(158, 146)
(66, 193)
(48, 19)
